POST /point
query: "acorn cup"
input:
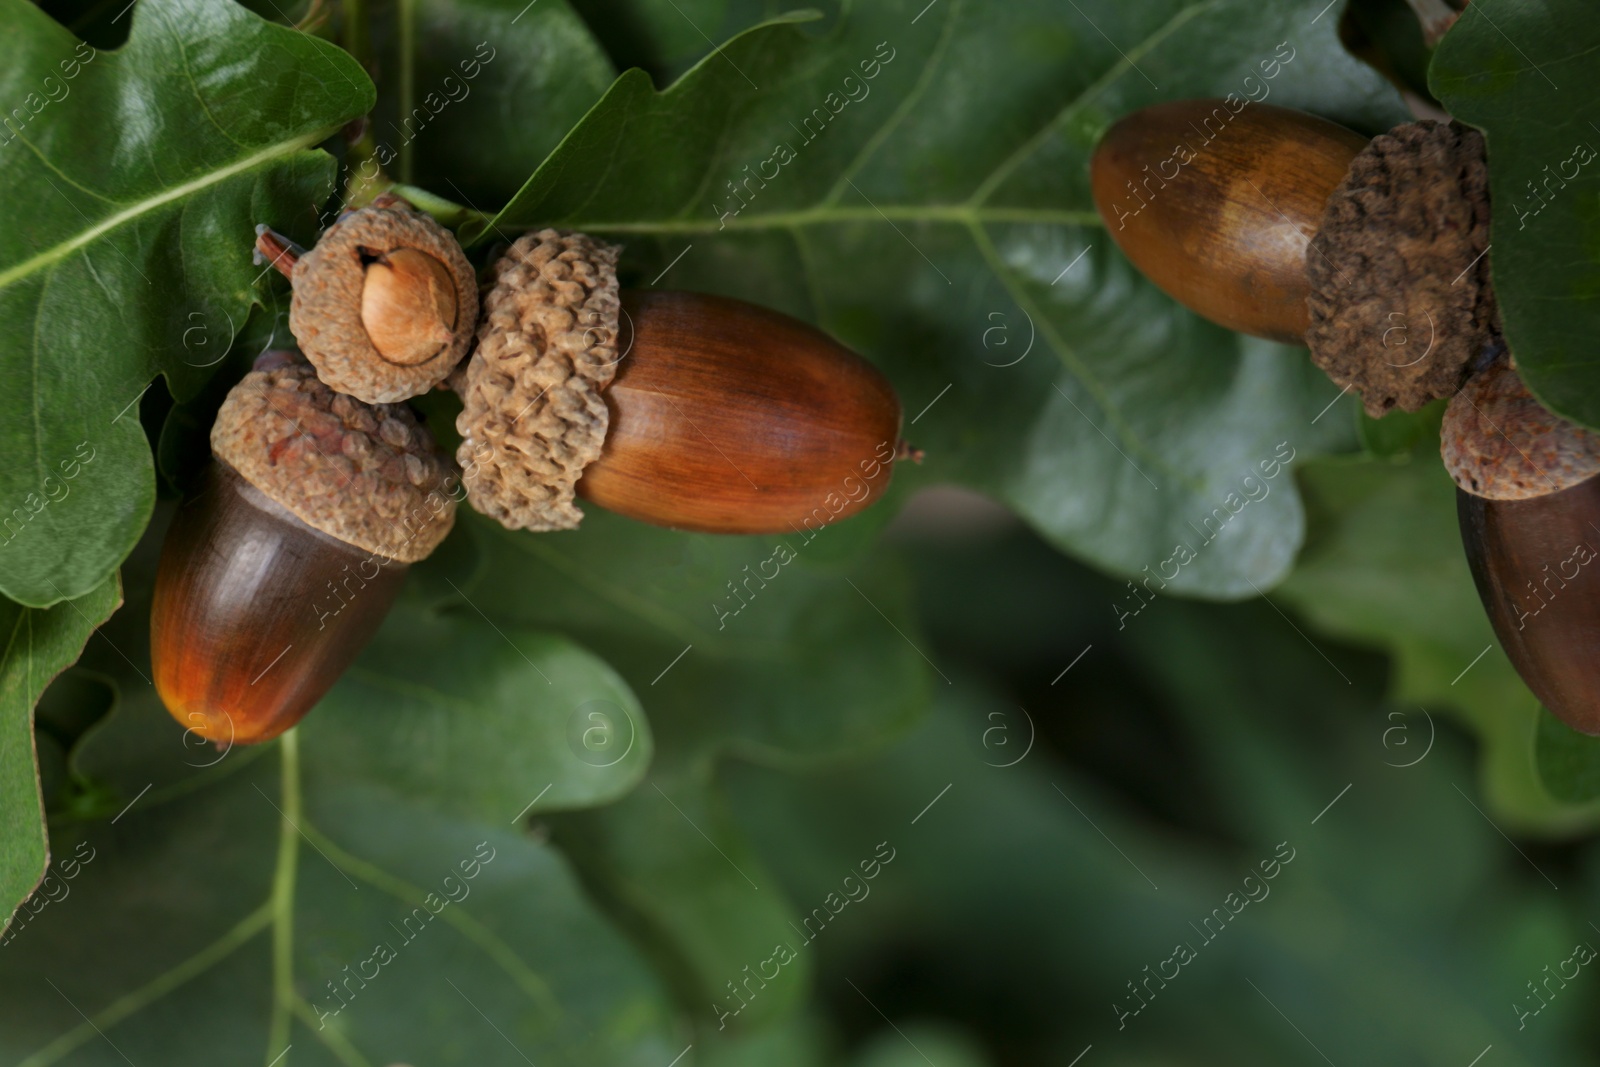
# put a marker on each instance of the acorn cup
(384, 306)
(279, 570)
(1288, 227)
(679, 409)
(1529, 506)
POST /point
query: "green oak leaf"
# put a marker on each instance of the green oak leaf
(893, 1047)
(496, 81)
(1525, 73)
(483, 720)
(141, 174)
(667, 39)
(809, 666)
(861, 179)
(672, 867)
(287, 907)
(39, 644)
(819, 663)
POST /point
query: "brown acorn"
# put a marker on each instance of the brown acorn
(1215, 204)
(277, 572)
(1285, 226)
(684, 410)
(1529, 507)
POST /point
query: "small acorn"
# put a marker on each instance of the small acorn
(386, 303)
(684, 410)
(1529, 507)
(278, 571)
(1286, 226)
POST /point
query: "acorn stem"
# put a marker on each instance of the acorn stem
(904, 450)
(273, 247)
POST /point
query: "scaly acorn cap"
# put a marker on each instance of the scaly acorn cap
(325, 314)
(1401, 301)
(1499, 443)
(532, 417)
(369, 475)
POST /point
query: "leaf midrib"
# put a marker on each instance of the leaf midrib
(974, 211)
(62, 249)
(957, 214)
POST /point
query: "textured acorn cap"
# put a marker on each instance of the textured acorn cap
(1498, 442)
(325, 311)
(532, 416)
(369, 475)
(1401, 303)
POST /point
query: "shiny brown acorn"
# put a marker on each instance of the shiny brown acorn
(684, 410)
(728, 417)
(1528, 501)
(278, 571)
(1373, 254)
(1215, 201)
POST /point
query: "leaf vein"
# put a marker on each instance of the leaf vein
(924, 79)
(1064, 352)
(518, 969)
(64, 248)
(1126, 63)
(155, 989)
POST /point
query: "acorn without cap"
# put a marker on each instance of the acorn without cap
(1529, 507)
(684, 410)
(277, 572)
(1289, 227)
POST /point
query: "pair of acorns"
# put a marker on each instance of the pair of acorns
(1285, 226)
(690, 411)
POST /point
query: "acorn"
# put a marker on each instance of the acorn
(1529, 506)
(1288, 227)
(679, 409)
(384, 306)
(277, 572)
(1216, 205)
